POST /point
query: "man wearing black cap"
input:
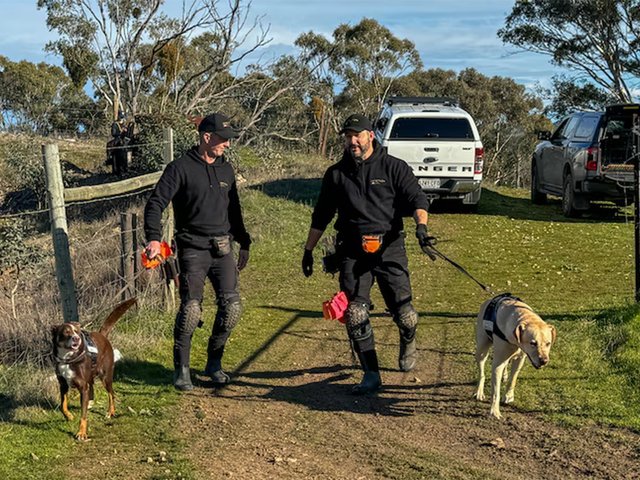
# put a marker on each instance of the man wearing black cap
(371, 191)
(202, 188)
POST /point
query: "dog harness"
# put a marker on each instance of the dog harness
(90, 347)
(491, 313)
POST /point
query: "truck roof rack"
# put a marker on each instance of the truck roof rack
(446, 101)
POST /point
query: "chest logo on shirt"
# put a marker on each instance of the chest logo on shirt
(224, 185)
(378, 181)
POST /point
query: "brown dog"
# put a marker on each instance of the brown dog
(82, 356)
(517, 333)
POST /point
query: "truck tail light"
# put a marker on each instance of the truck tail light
(593, 155)
(477, 164)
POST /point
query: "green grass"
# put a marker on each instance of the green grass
(578, 274)
(38, 443)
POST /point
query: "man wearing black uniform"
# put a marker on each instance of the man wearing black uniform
(370, 191)
(202, 187)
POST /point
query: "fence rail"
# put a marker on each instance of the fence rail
(59, 197)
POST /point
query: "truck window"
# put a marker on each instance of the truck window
(560, 128)
(412, 128)
(570, 127)
(587, 127)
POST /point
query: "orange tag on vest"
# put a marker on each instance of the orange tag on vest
(371, 243)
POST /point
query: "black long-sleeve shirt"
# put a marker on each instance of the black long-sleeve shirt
(205, 202)
(370, 196)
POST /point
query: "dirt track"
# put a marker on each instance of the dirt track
(289, 414)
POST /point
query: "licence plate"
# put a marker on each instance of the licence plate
(429, 182)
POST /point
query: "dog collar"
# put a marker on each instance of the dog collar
(75, 359)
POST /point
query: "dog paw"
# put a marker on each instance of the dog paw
(507, 399)
(495, 414)
(82, 437)
(479, 396)
(68, 416)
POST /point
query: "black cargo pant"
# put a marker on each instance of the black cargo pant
(389, 267)
(196, 266)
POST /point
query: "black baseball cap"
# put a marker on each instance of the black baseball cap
(219, 124)
(356, 123)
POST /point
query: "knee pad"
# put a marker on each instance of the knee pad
(228, 314)
(189, 317)
(191, 314)
(357, 321)
(407, 320)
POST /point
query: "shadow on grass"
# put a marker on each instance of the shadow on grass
(128, 372)
(495, 203)
(141, 372)
(299, 190)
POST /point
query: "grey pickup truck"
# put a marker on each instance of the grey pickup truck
(589, 156)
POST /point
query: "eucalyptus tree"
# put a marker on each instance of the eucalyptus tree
(41, 98)
(364, 60)
(129, 49)
(595, 39)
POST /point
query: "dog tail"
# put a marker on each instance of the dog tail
(115, 316)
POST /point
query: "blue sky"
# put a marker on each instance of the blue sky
(448, 34)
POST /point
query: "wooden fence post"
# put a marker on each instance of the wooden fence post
(126, 254)
(59, 232)
(134, 259)
(169, 292)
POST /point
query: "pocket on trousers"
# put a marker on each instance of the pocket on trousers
(221, 245)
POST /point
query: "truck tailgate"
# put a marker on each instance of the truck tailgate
(442, 158)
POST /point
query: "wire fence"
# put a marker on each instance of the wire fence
(29, 293)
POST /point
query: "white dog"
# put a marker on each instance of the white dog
(516, 332)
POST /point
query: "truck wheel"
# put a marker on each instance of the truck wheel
(568, 198)
(537, 197)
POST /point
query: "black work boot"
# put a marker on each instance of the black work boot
(182, 378)
(408, 353)
(371, 381)
(215, 350)
(215, 372)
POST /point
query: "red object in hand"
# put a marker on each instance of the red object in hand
(334, 309)
(151, 263)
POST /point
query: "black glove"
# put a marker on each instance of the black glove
(425, 241)
(307, 263)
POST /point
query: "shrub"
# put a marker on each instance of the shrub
(148, 141)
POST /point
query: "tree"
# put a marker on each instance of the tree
(566, 96)
(597, 39)
(129, 48)
(364, 60)
(41, 98)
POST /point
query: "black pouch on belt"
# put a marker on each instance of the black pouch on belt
(221, 245)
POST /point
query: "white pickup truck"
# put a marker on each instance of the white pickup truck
(438, 140)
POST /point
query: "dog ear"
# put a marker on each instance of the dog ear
(553, 333)
(518, 331)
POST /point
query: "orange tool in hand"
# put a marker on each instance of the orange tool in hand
(151, 263)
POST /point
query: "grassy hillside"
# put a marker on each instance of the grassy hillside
(578, 274)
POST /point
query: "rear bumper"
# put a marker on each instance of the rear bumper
(455, 187)
(605, 189)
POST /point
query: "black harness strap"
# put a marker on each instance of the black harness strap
(491, 313)
(90, 347)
